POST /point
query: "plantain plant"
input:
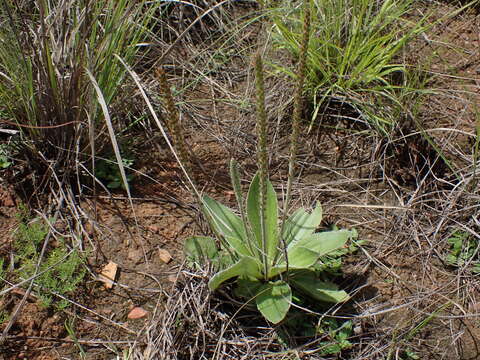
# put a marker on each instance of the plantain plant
(269, 255)
(268, 260)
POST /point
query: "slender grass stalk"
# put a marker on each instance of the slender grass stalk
(111, 132)
(173, 121)
(262, 153)
(297, 107)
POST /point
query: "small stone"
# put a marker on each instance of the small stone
(135, 254)
(357, 330)
(137, 313)
(108, 274)
(8, 201)
(164, 256)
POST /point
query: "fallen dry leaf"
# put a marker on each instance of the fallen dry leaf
(108, 273)
(164, 256)
(137, 313)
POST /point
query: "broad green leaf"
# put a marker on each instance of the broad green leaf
(247, 288)
(307, 282)
(271, 216)
(246, 266)
(273, 300)
(253, 209)
(235, 177)
(277, 270)
(290, 227)
(228, 224)
(322, 243)
(302, 224)
(201, 248)
(302, 258)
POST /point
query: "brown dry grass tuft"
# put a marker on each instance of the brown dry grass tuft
(193, 323)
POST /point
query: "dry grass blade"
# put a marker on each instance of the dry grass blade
(113, 139)
(111, 132)
(192, 24)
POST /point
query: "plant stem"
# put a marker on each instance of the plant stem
(262, 155)
(173, 122)
(297, 107)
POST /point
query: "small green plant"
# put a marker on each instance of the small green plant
(410, 355)
(108, 171)
(4, 316)
(464, 248)
(338, 334)
(2, 270)
(70, 327)
(60, 271)
(333, 333)
(5, 159)
(266, 272)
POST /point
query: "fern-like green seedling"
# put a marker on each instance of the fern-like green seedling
(61, 270)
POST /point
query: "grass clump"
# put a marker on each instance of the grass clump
(47, 50)
(352, 55)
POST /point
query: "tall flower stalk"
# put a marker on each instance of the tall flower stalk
(297, 107)
(262, 153)
(173, 124)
